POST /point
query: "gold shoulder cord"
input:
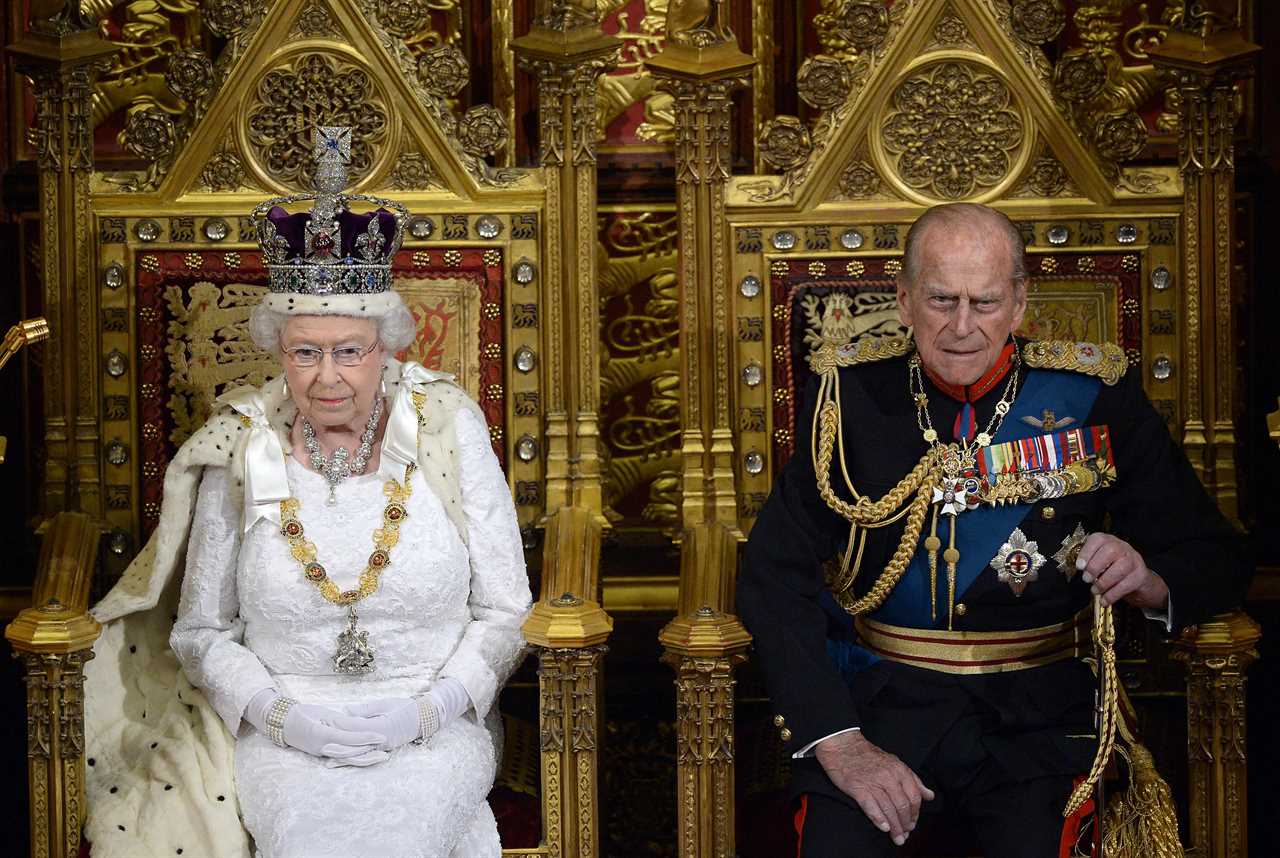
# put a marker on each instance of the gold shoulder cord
(910, 498)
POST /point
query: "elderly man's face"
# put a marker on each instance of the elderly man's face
(964, 303)
(328, 393)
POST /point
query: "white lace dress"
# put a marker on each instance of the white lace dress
(248, 620)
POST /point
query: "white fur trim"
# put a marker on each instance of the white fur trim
(359, 306)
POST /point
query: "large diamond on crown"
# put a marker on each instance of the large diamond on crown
(330, 250)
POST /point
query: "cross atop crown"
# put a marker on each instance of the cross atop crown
(331, 150)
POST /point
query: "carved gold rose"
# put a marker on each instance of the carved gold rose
(1079, 75)
(1048, 177)
(444, 70)
(412, 172)
(823, 82)
(953, 129)
(148, 132)
(314, 20)
(784, 142)
(859, 179)
(403, 17)
(223, 172)
(316, 89)
(190, 74)
(865, 24)
(1120, 135)
(226, 18)
(1037, 21)
(482, 130)
(847, 27)
(950, 30)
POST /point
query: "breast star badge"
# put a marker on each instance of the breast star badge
(1018, 561)
(1066, 556)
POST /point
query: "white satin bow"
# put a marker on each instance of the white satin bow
(265, 481)
(400, 442)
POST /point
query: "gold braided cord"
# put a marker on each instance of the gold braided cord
(895, 568)
(1104, 641)
(865, 512)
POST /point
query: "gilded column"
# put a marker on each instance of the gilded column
(701, 66)
(54, 641)
(61, 52)
(1204, 57)
(703, 644)
(570, 630)
(566, 51)
(1217, 654)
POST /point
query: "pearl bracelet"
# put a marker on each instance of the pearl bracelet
(428, 719)
(275, 719)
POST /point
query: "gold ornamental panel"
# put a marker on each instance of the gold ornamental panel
(952, 130)
(306, 87)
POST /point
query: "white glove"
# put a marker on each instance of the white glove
(399, 719)
(396, 720)
(314, 730)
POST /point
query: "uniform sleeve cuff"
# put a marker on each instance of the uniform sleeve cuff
(1165, 617)
(807, 750)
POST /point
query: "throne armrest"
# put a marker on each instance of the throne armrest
(1217, 654)
(58, 620)
(54, 638)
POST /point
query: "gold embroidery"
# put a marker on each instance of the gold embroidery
(1101, 360)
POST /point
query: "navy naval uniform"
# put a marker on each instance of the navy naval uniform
(1002, 748)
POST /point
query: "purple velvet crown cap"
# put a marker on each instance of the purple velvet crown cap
(292, 228)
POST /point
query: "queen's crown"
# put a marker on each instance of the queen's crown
(330, 250)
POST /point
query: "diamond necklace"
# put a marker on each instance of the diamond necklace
(342, 464)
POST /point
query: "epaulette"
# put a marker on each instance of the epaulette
(1102, 360)
(829, 356)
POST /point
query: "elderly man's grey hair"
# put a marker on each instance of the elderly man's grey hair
(396, 327)
(967, 214)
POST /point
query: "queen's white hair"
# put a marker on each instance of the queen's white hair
(396, 327)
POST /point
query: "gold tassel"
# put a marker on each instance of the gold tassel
(1139, 822)
(932, 543)
(952, 556)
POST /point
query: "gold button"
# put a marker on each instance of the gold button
(961, 609)
(786, 734)
(779, 721)
(1047, 513)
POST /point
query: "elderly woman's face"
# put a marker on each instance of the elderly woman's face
(328, 393)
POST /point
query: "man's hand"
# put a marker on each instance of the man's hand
(1117, 571)
(888, 792)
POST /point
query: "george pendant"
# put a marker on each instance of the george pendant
(354, 655)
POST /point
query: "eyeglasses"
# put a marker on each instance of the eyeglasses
(305, 357)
